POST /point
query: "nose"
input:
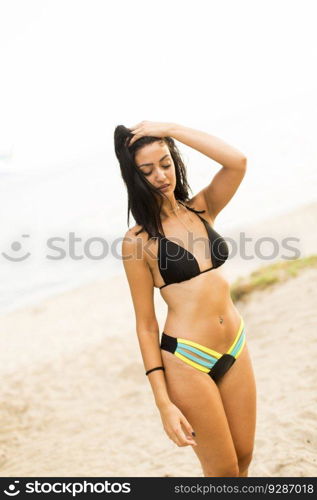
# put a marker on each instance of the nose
(161, 177)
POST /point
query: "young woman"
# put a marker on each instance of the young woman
(200, 371)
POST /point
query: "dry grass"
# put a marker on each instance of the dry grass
(265, 276)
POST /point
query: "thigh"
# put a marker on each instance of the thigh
(197, 396)
(238, 393)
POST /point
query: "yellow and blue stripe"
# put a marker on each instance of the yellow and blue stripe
(209, 358)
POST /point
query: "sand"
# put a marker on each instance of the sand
(74, 399)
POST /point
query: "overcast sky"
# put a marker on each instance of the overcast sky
(73, 69)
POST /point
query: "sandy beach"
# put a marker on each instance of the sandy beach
(75, 401)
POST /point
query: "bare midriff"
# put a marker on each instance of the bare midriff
(196, 308)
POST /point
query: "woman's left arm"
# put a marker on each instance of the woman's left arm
(226, 181)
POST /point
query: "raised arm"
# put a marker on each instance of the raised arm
(142, 292)
(226, 181)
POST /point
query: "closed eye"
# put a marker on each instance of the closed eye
(164, 166)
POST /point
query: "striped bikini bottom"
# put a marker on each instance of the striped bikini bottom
(214, 363)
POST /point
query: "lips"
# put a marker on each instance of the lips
(164, 186)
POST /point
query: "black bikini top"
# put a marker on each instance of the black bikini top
(176, 264)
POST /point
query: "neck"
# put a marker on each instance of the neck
(170, 207)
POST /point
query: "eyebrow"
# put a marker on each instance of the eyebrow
(149, 164)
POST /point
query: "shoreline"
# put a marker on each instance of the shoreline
(67, 397)
(73, 377)
(298, 223)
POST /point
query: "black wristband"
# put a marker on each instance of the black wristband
(156, 368)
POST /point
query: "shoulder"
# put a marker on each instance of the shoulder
(198, 202)
(135, 243)
(132, 231)
(135, 234)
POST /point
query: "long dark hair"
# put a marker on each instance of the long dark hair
(142, 201)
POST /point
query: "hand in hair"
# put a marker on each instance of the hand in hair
(147, 128)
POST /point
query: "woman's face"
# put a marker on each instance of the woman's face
(156, 164)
